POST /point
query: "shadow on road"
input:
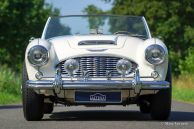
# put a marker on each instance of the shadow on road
(105, 115)
(10, 107)
(102, 115)
(115, 115)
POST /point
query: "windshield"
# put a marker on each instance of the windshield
(96, 24)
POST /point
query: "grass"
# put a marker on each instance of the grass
(183, 88)
(10, 83)
(8, 98)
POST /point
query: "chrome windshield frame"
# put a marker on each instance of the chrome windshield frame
(49, 19)
(45, 28)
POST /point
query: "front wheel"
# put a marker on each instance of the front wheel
(145, 108)
(161, 102)
(32, 102)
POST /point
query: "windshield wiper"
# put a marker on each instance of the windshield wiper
(131, 34)
(138, 35)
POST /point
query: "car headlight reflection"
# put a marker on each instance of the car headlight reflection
(155, 54)
(71, 66)
(38, 55)
(124, 66)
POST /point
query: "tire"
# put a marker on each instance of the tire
(48, 108)
(161, 102)
(32, 102)
(145, 108)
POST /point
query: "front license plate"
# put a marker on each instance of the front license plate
(98, 97)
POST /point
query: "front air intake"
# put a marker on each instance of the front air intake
(96, 66)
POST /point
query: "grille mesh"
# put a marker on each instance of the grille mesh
(96, 66)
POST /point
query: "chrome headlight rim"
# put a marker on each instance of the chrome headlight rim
(124, 62)
(31, 59)
(72, 62)
(156, 48)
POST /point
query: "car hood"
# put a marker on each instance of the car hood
(99, 41)
(69, 46)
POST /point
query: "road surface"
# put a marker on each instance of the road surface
(110, 117)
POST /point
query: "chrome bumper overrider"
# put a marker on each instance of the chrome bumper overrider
(136, 84)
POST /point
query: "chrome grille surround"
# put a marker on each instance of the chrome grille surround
(96, 66)
(97, 42)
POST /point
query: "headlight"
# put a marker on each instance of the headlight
(71, 66)
(124, 66)
(155, 54)
(38, 55)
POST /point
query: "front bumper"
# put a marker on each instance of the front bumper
(100, 84)
(136, 84)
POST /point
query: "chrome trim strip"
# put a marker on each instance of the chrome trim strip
(98, 84)
(45, 28)
(97, 42)
(127, 77)
(96, 49)
(147, 28)
(59, 84)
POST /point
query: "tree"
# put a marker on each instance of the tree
(20, 20)
(171, 20)
(55, 28)
(94, 22)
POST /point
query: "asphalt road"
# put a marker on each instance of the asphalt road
(110, 117)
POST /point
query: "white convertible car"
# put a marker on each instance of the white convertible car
(96, 60)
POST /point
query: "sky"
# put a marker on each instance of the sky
(73, 7)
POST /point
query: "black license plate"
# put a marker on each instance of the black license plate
(97, 97)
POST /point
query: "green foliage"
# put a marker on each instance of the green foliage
(10, 84)
(55, 28)
(6, 98)
(183, 88)
(92, 9)
(174, 58)
(94, 22)
(171, 20)
(4, 55)
(9, 81)
(131, 25)
(186, 66)
(183, 94)
(20, 20)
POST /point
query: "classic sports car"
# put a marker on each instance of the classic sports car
(96, 60)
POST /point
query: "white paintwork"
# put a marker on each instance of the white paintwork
(64, 47)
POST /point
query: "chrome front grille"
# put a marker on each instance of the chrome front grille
(96, 66)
